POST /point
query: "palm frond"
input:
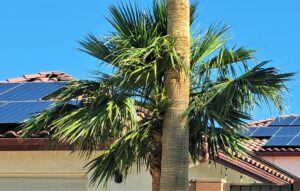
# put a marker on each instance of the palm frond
(131, 149)
(224, 62)
(100, 49)
(204, 45)
(77, 90)
(223, 108)
(43, 121)
(142, 66)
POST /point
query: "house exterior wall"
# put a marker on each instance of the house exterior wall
(31, 165)
(290, 164)
(217, 171)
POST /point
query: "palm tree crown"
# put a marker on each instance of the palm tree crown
(123, 111)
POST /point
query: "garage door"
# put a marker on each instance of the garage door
(43, 184)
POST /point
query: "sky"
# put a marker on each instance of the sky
(43, 35)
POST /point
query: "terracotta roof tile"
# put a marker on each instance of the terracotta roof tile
(51, 76)
(258, 167)
(30, 76)
(261, 123)
(16, 80)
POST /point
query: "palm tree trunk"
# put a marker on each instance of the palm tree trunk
(155, 173)
(174, 166)
(155, 158)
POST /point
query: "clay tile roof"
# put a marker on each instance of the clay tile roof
(256, 145)
(51, 76)
(258, 168)
(261, 123)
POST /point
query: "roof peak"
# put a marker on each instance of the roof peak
(48, 76)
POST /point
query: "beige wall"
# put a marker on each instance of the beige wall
(31, 164)
(217, 171)
(36, 164)
(288, 163)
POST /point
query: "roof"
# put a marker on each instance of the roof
(261, 123)
(24, 96)
(50, 76)
(257, 168)
(257, 144)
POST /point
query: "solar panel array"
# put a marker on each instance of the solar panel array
(20, 101)
(27, 91)
(283, 131)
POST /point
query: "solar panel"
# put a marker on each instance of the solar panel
(31, 91)
(281, 121)
(249, 131)
(288, 131)
(279, 141)
(18, 112)
(4, 87)
(295, 141)
(265, 132)
(297, 121)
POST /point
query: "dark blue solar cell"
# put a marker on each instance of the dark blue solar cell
(295, 141)
(288, 131)
(281, 121)
(18, 112)
(31, 91)
(296, 122)
(4, 87)
(249, 131)
(279, 141)
(265, 132)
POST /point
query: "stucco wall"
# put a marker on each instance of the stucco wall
(288, 163)
(31, 164)
(218, 171)
(36, 164)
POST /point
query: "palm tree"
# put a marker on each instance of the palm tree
(175, 139)
(124, 112)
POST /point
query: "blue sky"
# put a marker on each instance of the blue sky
(43, 35)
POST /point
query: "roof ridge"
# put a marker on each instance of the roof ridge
(48, 76)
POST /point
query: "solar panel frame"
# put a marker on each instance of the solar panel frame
(31, 91)
(278, 141)
(19, 112)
